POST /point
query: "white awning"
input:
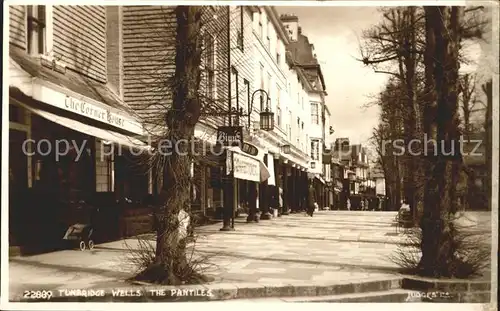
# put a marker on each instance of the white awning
(270, 165)
(243, 169)
(86, 129)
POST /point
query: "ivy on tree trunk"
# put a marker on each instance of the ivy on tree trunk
(171, 261)
(441, 124)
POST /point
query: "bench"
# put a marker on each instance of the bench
(403, 220)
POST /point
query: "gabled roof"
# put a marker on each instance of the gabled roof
(303, 57)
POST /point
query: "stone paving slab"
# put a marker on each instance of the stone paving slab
(329, 247)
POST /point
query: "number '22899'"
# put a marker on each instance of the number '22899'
(37, 294)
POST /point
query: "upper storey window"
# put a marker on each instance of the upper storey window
(37, 39)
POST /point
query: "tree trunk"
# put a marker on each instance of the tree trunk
(488, 90)
(411, 110)
(441, 124)
(181, 119)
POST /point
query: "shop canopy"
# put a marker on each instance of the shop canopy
(248, 167)
(103, 134)
(317, 176)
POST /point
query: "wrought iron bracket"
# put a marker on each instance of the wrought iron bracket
(211, 109)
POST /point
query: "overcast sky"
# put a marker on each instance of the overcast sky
(334, 31)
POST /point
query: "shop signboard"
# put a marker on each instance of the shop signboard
(250, 149)
(246, 168)
(86, 107)
(230, 136)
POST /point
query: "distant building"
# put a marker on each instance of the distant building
(303, 59)
(377, 175)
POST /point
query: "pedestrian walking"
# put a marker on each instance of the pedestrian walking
(312, 201)
(348, 203)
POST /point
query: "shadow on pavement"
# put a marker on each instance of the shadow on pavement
(276, 236)
(64, 268)
(370, 267)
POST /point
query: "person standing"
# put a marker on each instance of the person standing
(348, 203)
(280, 200)
(312, 200)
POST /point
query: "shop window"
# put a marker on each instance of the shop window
(133, 181)
(104, 168)
(196, 189)
(66, 179)
(15, 114)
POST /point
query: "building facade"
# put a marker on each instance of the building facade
(99, 78)
(272, 80)
(312, 101)
(148, 53)
(63, 95)
(358, 182)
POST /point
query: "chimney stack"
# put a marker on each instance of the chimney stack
(291, 23)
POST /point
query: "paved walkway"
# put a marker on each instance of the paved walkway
(332, 246)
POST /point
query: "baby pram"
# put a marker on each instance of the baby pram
(80, 225)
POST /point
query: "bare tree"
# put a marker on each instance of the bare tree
(395, 47)
(487, 88)
(389, 131)
(422, 49)
(186, 73)
(438, 244)
(467, 100)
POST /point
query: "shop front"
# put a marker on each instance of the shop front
(251, 176)
(290, 175)
(75, 157)
(206, 172)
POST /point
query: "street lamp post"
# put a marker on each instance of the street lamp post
(266, 115)
(266, 123)
(286, 149)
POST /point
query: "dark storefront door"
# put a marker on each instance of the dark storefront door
(18, 184)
